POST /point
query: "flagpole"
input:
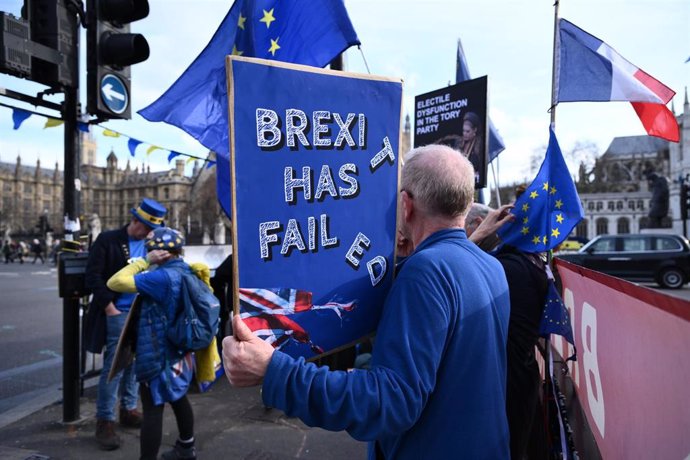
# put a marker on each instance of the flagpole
(498, 195)
(498, 174)
(554, 65)
(548, 358)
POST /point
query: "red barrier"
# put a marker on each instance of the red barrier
(633, 370)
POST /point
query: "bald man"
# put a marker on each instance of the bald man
(437, 383)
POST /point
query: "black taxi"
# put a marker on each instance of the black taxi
(662, 258)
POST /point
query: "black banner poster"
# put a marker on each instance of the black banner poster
(456, 116)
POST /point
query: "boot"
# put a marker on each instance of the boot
(130, 418)
(180, 453)
(105, 435)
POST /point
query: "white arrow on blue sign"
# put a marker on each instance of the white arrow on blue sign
(114, 93)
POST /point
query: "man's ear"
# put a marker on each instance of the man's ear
(407, 206)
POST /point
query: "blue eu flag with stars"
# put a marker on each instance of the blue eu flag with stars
(548, 210)
(555, 318)
(298, 31)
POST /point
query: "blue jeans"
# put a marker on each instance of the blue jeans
(124, 381)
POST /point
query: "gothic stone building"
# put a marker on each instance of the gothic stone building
(29, 192)
(615, 194)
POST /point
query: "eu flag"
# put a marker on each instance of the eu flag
(462, 73)
(555, 318)
(297, 31)
(548, 210)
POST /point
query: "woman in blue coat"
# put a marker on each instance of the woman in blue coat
(164, 372)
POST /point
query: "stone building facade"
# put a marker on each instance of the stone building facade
(29, 192)
(26, 194)
(615, 195)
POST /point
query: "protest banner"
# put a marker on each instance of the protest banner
(456, 116)
(127, 343)
(314, 163)
(630, 378)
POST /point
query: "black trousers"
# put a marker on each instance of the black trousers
(152, 423)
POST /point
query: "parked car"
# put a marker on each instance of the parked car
(662, 258)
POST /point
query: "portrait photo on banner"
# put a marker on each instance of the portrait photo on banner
(314, 158)
(456, 116)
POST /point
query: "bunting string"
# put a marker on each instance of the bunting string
(19, 116)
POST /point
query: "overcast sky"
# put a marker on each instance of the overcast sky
(508, 40)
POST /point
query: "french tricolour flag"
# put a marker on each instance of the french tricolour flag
(590, 70)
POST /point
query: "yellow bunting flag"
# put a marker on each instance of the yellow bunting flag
(152, 148)
(190, 159)
(109, 133)
(52, 123)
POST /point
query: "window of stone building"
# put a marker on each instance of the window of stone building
(619, 205)
(166, 193)
(130, 193)
(581, 229)
(602, 225)
(6, 203)
(47, 189)
(623, 226)
(28, 187)
(7, 187)
(590, 206)
(640, 205)
(631, 205)
(600, 205)
(28, 204)
(609, 205)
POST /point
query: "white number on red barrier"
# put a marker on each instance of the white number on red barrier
(573, 368)
(595, 395)
(587, 355)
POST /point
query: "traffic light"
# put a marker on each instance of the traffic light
(684, 200)
(41, 45)
(54, 25)
(111, 49)
(15, 57)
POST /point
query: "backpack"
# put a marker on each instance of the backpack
(196, 322)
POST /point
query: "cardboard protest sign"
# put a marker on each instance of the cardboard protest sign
(314, 162)
(456, 116)
(127, 343)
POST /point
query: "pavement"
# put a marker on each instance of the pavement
(230, 423)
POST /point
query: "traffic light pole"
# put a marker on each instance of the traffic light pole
(684, 202)
(684, 206)
(43, 46)
(70, 304)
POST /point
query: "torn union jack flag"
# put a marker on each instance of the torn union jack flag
(265, 312)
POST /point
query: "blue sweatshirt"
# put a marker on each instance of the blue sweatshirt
(437, 385)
